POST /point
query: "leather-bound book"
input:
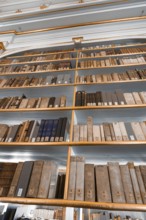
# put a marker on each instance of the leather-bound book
(89, 181)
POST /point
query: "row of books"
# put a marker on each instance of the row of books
(33, 179)
(103, 78)
(114, 131)
(109, 216)
(20, 102)
(102, 46)
(139, 59)
(115, 51)
(106, 183)
(34, 81)
(109, 98)
(37, 58)
(35, 68)
(31, 213)
(52, 130)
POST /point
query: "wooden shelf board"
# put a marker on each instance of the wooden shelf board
(111, 82)
(71, 143)
(36, 109)
(109, 107)
(72, 203)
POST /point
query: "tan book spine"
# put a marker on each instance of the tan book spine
(79, 192)
(143, 127)
(135, 183)
(117, 131)
(123, 131)
(102, 133)
(102, 184)
(63, 101)
(107, 132)
(89, 183)
(116, 183)
(141, 184)
(23, 133)
(15, 179)
(76, 131)
(72, 179)
(137, 98)
(129, 98)
(143, 98)
(112, 132)
(90, 129)
(96, 133)
(127, 184)
(23, 103)
(137, 131)
(44, 102)
(35, 179)
(84, 132)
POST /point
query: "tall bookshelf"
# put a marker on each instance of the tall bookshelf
(98, 152)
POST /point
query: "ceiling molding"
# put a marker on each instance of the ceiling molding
(74, 25)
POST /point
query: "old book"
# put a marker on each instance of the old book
(135, 183)
(107, 132)
(8, 133)
(48, 130)
(31, 103)
(76, 132)
(118, 134)
(137, 98)
(116, 183)
(40, 131)
(137, 131)
(15, 179)
(129, 98)
(63, 130)
(3, 131)
(89, 183)
(141, 183)
(57, 102)
(51, 102)
(143, 173)
(54, 128)
(45, 180)
(23, 132)
(120, 96)
(29, 130)
(79, 192)
(13, 133)
(38, 102)
(96, 133)
(81, 131)
(23, 103)
(24, 179)
(58, 130)
(63, 101)
(18, 134)
(72, 179)
(123, 131)
(78, 101)
(130, 132)
(104, 98)
(102, 133)
(34, 132)
(53, 180)
(143, 127)
(44, 102)
(90, 129)
(127, 184)
(33, 186)
(102, 184)
(143, 97)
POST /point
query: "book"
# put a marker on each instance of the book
(89, 183)
(72, 179)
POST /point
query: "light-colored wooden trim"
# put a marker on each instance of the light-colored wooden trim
(37, 109)
(70, 143)
(72, 203)
(34, 62)
(67, 173)
(109, 107)
(111, 82)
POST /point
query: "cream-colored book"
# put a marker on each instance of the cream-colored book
(84, 132)
(96, 133)
(138, 131)
(90, 128)
(63, 101)
(129, 98)
(115, 77)
(44, 102)
(143, 127)
(38, 102)
(23, 103)
(102, 133)
(117, 131)
(98, 78)
(123, 131)
(137, 98)
(76, 132)
(143, 97)
(81, 132)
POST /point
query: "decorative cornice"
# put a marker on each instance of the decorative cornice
(74, 25)
(2, 47)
